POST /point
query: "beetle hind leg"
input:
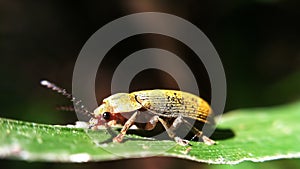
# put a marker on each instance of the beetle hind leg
(199, 134)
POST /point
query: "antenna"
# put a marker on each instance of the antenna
(81, 108)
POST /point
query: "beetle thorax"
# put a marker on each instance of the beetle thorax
(122, 102)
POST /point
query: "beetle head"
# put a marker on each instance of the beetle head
(104, 116)
(100, 116)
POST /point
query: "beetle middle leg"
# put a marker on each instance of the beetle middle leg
(176, 123)
(170, 129)
(126, 126)
(152, 123)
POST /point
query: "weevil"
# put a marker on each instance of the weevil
(145, 109)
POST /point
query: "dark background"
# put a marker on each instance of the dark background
(257, 41)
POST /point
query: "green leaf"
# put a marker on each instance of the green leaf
(260, 134)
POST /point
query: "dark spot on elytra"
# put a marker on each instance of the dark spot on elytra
(180, 101)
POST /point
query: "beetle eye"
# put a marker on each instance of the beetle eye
(106, 115)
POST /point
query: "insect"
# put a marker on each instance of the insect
(145, 109)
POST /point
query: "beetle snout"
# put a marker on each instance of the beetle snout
(92, 123)
(95, 122)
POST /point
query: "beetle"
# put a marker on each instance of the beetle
(145, 109)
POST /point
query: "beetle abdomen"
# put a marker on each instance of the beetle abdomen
(172, 103)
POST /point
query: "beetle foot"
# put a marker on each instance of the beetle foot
(118, 138)
(208, 141)
(181, 141)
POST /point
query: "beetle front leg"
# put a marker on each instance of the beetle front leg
(126, 126)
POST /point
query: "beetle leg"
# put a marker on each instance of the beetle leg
(204, 138)
(170, 130)
(199, 134)
(179, 120)
(163, 122)
(152, 123)
(176, 123)
(181, 141)
(126, 126)
(166, 126)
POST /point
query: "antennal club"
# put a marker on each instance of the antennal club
(62, 91)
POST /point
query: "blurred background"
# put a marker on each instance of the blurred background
(257, 41)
